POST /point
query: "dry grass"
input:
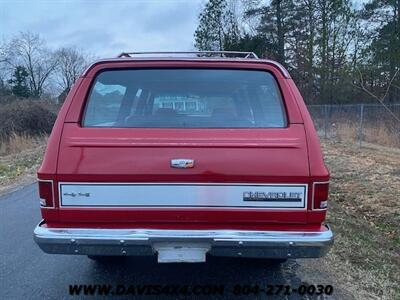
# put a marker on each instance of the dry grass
(365, 215)
(378, 134)
(382, 135)
(19, 159)
(19, 143)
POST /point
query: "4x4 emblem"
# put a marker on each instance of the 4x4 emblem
(182, 163)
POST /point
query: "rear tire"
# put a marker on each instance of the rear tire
(271, 262)
(277, 261)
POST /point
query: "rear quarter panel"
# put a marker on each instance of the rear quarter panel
(318, 170)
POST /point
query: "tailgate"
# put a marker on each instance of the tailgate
(240, 176)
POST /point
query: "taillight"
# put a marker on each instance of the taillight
(320, 195)
(46, 193)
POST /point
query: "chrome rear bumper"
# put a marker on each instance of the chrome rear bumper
(234, 243)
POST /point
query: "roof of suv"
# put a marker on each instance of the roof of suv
(225, 56)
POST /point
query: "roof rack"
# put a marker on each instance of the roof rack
(235, 54)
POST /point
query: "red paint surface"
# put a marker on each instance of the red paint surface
(281, 155)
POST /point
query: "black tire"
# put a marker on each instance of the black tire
(271, 262)
(277, 261)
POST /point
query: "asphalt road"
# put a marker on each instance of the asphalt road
(28, 273)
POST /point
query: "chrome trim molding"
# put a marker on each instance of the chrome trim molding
(133, 242)
(196, 195)
(182, 163)
(53, 193)
(312, 196)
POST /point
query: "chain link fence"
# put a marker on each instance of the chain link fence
(370, 123)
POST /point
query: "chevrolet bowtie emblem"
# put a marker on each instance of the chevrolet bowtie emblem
(182, 163)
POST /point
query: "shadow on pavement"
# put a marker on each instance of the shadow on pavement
(226, 272)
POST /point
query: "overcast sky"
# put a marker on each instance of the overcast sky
(105, 27)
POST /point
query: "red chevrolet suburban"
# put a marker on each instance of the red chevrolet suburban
(181, 156)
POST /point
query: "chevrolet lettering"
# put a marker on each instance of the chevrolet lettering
(271, 196)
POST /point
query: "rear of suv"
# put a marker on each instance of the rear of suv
(184, 157)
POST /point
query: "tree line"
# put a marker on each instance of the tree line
(30, 69)
(336, 51)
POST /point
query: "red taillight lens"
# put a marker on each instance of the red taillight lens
(46, 193)
(321, 190)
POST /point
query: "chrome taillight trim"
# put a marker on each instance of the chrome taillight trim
(52, 193)
(313, 196)
(92, 204)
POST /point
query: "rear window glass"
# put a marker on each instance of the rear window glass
(185, 98)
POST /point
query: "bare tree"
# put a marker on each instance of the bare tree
(382, 98)
(71, 63)
(30, 51)
(3, 68)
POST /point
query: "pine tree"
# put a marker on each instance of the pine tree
(217, 29)
(384, 50)
(18, 82)
(325, 44)
(275, 24)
